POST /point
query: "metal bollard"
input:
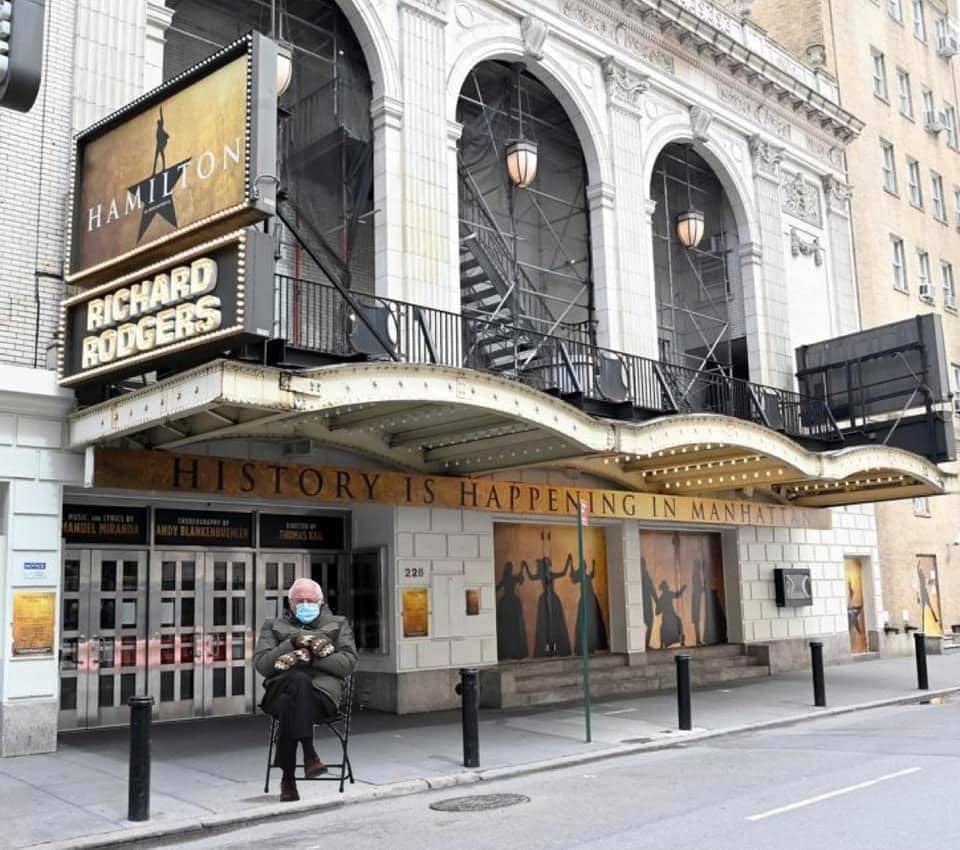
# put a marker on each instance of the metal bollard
(683, 692)
(920, 644)
(816, 664)
(138, 790)
(469, 689)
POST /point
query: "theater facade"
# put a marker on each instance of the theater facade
(398, 325)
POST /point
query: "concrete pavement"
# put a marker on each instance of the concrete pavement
(209, 774)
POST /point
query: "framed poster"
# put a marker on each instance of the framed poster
(473, 601)
(416, 615)
(33, 622)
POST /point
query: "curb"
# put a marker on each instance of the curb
(196, 826)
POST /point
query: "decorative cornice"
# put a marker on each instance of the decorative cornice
(534, 33)
(387, 112)
(837, 194)
(766, 157)
(434, 9)
(801, 199)
(806, 247)
(623, 86)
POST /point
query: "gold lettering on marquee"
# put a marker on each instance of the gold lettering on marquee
(152, 470)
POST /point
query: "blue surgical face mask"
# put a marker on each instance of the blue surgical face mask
(307, 612)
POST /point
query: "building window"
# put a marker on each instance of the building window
(949, 287)
(950, 124)
(889, 167)
(924, 285)
(940, 31)
(895, 10)
(879, 74)
(899, 264)
(939, 207)
(956, 204)
(921, 506)
(904, 94)
(913, 181)
(919, 24)
(956, 386)
(930, 118)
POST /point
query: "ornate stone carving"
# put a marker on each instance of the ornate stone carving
(621, 35)
(739, 102)
(806, 247)
(801, 199)
(623, 86)
(700, 121)
(766, 157)
(534, 33)
(837, 194)
(770, 119)
(433, 8)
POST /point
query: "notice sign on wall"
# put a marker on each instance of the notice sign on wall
(416, 618)
(176, 311)
(107, 524)
(33, 622)
(177, 165)
(201, 528)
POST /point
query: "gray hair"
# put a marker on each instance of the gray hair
(305, 582)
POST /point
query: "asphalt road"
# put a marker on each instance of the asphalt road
(879, 779)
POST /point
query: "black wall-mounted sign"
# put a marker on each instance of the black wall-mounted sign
(281, 531)
(792, 587)
(201, 528)
(108, 524)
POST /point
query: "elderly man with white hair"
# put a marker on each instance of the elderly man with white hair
(304, 655)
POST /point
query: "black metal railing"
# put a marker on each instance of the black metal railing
(316, 317)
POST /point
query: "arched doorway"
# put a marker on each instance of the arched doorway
(700, 316)
(524, 252)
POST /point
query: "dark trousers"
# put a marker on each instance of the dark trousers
(297, 705)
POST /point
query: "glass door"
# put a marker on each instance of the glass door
(228, 633)
(276, 573)
(103, 660)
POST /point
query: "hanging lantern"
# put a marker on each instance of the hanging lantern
(284, 66)
(521, 162)
(690, 228)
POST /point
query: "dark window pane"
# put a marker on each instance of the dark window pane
(106, 653)
(128, 652)
(218, 647)
(105, 692)
(108, 576)
(128, 687)
(71, 615)
(166, 686)
(168, 575)
(186, 649)
(68, 694)
(68, 654)
(188, 576)
(131, 575)
(167, 607)
(220, 611)
(186, 684)
(239, 575)
(167, 651)
(239, 675)
(239, 646)
(186, 612)
(71, 576)
(128, 613)
(219, 682)
(365, 591)
(271, 577)
(239, 606)
(289, 573)
(108, 613)
(220, 575)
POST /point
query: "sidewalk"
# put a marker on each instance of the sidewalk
(210, 772)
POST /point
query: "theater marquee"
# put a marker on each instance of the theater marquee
(178, 165)
(150, 470)
(175, 312)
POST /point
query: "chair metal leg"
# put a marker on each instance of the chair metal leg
(273, 738)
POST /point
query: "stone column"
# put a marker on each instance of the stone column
(387, 116)
(764, 275)
(630, 303)
(428, 277)
(840, 252)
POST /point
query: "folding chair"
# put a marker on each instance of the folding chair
(339, 726)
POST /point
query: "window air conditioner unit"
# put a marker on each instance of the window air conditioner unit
(926, 292)
(947, 46)
(933, 122)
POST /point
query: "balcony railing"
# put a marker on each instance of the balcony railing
(315, 317)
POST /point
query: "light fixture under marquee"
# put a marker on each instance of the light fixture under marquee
(690, 225)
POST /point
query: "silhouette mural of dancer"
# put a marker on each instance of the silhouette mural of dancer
(551, 637)
(698, 593)
(596, 630)
(511, 625)
(649, 599)
(853, 611)
(671, 628)
(925, 600)
(162, 137)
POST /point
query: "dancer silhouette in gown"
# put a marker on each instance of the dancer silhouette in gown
(596, 630)
(511, 625)
(697, 596)
(925, 599)
(649, 599)
(671, 628)
(551, 637)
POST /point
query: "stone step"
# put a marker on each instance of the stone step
(553, 666)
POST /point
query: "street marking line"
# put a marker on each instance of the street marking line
(619, 711)
(820, 797)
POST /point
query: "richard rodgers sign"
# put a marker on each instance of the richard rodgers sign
(171, 313)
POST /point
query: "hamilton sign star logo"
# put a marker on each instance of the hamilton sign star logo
(156, 191)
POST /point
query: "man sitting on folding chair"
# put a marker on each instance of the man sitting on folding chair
(305, 656)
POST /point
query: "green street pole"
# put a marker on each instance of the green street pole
(584, 643)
